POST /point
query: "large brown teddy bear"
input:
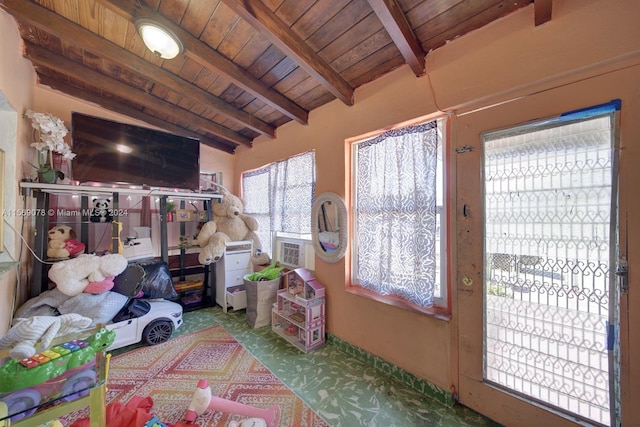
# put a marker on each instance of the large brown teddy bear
(229, 224)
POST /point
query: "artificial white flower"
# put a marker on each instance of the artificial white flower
(52, 132)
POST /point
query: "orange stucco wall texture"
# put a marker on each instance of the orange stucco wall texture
(504, 61)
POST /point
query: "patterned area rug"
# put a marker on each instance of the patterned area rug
(169, 372)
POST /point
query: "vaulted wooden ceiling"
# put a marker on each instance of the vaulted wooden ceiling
(248, 66)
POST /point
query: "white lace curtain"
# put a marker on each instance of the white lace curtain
(280, 196)
(395, 213)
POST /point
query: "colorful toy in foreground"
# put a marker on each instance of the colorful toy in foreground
(17, 374)
(203, 400)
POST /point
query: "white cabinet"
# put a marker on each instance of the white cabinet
(230, 272)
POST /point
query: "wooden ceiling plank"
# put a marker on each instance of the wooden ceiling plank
(41, 56)
(267, 23)
(291, 10)
(236, 39)
(64, 29)
(266, 61)
(542, 11)
(198, 15)
(281, 70)
(251, 51)
(340, 23)
(425, 11)
(120, 108)
(317, 15)
(467, 17)
(369, 49)
(208, 57)
(355, 35)
(395, 22)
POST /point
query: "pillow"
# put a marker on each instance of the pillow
(101, 308)
(260, 299)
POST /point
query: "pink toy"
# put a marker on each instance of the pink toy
(100, 286)
(203, 400)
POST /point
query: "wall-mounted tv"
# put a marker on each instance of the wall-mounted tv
(112, 152)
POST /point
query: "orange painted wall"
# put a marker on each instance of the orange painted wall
(506, 60)
(398, 336)
(16, 85)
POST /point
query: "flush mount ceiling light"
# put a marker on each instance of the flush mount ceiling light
(159, 39)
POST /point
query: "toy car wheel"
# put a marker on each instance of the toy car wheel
(22, 403)
(157, 332)
(78, 385)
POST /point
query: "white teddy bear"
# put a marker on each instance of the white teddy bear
(25, 334)
(73, 275)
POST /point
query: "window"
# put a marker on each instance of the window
(398, 215)
(280, 196)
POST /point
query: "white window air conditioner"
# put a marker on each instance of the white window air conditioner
(294, 253)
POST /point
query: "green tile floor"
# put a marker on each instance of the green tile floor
(343, 390)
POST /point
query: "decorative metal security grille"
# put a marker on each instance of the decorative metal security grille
(548, 192)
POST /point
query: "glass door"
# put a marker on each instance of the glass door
(550, 239)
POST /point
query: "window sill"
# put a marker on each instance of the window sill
(440, 313)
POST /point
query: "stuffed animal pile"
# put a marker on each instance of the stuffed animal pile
(229, 224)
(63, 243)
(87, 273)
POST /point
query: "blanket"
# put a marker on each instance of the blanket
(100, 308)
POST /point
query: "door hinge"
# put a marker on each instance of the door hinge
(464, 149)
(622, 271)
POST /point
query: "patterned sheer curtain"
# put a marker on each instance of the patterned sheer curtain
(280, 196)
(395, 213)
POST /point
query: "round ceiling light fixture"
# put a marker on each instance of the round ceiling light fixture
(159, 39)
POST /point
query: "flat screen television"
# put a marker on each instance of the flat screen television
(119, 153)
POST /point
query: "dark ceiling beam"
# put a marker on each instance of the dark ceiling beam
(395, 22)
(34, 14)
(44, 57)
(116, 107)
(542, 11)
(210, 58)
(272, 27)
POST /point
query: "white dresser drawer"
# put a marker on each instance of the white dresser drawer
(237, 298)
(235, 277)
(233, 261)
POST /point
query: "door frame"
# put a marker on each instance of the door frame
(468, 274)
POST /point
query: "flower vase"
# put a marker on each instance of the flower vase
(47, 175)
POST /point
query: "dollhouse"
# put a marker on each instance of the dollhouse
(299, 311)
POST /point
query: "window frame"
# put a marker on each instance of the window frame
(274, 234)
(441, 308)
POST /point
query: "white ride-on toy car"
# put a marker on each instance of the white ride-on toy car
(151, 320)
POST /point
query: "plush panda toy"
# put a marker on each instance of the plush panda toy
(101, 211)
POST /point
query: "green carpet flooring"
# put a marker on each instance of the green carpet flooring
(344, 391)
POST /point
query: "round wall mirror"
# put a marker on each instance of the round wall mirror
(329, 227)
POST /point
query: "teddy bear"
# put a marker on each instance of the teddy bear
(27, 332)
(63, 243)
(229, 224)
(101, 211)
(87, 273)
